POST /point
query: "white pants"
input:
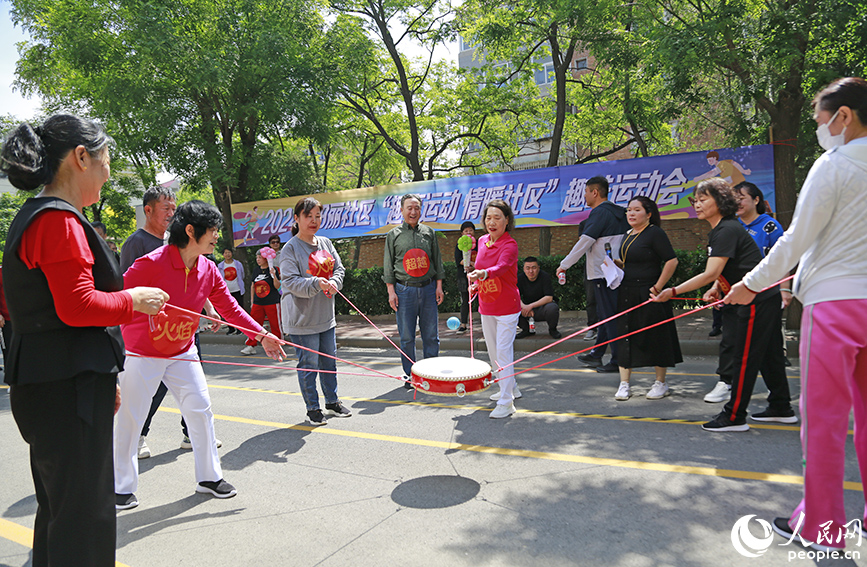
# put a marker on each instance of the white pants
(185, 379)
(499, 331)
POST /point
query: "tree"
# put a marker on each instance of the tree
(759, 63)
(190, 84)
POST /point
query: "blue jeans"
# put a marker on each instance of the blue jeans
(326, 343)
(417, 304)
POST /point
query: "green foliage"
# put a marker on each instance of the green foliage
(10, 203)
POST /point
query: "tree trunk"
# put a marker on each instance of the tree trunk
(545, 241)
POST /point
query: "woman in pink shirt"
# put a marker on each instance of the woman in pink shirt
(496, 280)
(162, 349)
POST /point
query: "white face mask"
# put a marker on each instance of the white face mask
(828, 140)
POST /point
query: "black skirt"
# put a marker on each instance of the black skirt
(658, 346)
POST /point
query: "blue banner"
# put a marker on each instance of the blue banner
(552, 196)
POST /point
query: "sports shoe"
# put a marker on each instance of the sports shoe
(591, 335)
(143, 450)
(125, 501)
(778, 416)
(315, 417)
(721, 392)
(524, 334)
(337, 410)
(623, 392)
(658, 391)
(715, 332)
(219, 488)
(462, 329)
(188, 445)
(503, 410)
(248, 350)
(722, 423)
(407, 383)
(781, 526)
(609, 367)
(555, 334)
(590, 360)
(515, 392)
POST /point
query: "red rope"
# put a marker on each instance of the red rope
(374, 325)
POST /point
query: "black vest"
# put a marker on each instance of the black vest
(44, 348)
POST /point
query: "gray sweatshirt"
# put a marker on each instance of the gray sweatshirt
(306, 310)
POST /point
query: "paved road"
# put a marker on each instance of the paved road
(575, 478)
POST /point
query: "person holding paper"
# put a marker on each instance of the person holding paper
(605, 225)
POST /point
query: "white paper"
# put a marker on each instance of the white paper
(613, 274)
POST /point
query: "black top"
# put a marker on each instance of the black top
(264, 290)
(643, 255)
(535, 290)
(607, 219)
(729, 239)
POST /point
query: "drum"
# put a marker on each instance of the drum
(451, 375)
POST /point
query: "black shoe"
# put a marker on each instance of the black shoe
(590, 360)
(125, 501)
(722, 423)
(775, 415)
(462, 329)
(219, 488)
(337, 410)
(407, 383)
(555, 334)
(315, 417)
(610, 367)
(715, 332)
(524, 334)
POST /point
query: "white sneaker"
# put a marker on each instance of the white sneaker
(248, 350)
(623, 392)
(720, 393)
(143, 450)
(516, 392)
(658, 391)
(591, 335)
(503, 410)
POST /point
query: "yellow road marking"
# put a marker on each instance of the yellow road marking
(24, 536)
(448, 445)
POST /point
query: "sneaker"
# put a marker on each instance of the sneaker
(503, 410)
(623, 392)
(462, 329)
(722, 423)
(219, 488)
(337, 410)
(524, 334)
(590, 360)
(248, 350)
(721, 392)
(407, 383)
(781, 526)
(315, 417)
(778, 416)
(125, 501)
(591, 335)
(610, 367)
(715, 332)
(515, 392)
(143, 450)
(658, 391)
(555, 334)
(188, 445)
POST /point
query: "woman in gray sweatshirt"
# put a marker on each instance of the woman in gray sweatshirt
(311, 272)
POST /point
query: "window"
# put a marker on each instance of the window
(545, 75)
(580, 64)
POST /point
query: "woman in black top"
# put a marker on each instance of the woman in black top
(648, 261)
(732, 253)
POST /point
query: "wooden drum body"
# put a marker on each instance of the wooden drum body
(451, 375)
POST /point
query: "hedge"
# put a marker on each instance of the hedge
(365, 287)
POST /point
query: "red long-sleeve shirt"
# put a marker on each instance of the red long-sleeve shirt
(56, 244)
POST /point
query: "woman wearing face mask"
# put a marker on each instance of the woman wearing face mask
(648, 262)
(828, 238)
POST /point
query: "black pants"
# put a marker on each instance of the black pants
(755, 333)
(606, 306)
(590, 292)
(463, 287)
(239, 297)
(69, 427)
(158, 398)
(550, 313)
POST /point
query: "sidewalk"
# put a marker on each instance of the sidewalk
(354, 331)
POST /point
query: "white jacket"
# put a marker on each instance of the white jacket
(828, 234)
